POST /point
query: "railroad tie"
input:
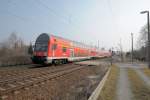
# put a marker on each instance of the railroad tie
(26, 88)
(29, 81)
(34, 79)
(47, 81)
(42, 83)
(35, 85)
(2, 89)
(4, 97)
(11, 85)
(21, 83)
(16, 92)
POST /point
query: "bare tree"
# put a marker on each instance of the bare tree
(142, 40)
(13, 50)
(30, 49)
(121, 50)
(140, 53)
(13, 38)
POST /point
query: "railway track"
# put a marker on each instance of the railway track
(13, 72)
(29, 79)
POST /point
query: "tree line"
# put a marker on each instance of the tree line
(140, 53)
(13, 51)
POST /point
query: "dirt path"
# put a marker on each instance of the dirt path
(123, 86)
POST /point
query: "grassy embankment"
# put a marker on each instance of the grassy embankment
(139, 89)
(109, 90)
(146, 71)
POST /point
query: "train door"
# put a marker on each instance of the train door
(71, 52)
(54, 47)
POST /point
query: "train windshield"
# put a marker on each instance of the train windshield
(40, 47)
(41, 43)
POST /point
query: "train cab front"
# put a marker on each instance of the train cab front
(39, 57)
(41, 49)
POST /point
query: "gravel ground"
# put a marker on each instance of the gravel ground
(77, 85)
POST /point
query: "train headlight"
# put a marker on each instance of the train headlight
(45, 54)
(34, 53)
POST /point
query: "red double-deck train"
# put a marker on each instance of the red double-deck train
(53, 49)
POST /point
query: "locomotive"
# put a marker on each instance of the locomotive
(50, 49)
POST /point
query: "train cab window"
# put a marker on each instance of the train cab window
(54, 46)
(40, 47)
(64, 49)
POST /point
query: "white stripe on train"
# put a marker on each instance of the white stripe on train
(50, 59)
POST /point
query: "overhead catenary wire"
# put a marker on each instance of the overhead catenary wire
(12, 13)
(19, 17)
(51, 10)
(67, 19)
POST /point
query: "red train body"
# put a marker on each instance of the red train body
(49, 48)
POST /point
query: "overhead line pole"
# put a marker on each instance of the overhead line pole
(98, 44)
(148, 43)
(132, 47)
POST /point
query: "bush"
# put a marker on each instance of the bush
(13, 51)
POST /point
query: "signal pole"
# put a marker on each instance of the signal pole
(132, 47)
(98, 44)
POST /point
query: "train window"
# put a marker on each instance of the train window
(54, 46)
(55, 40)
(40, 47)
(64, 49)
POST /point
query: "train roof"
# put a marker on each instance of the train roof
(43, 38)
(46, 37)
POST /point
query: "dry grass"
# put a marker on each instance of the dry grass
(109, 90)
(139, 89)
(146, 71)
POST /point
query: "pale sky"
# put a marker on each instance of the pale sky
(89, 21)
